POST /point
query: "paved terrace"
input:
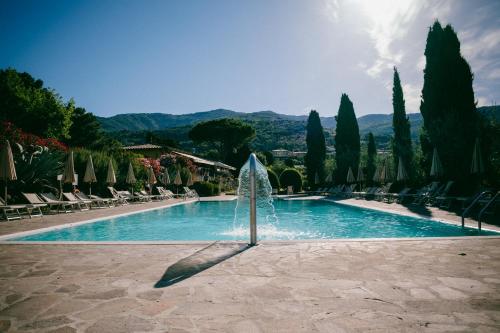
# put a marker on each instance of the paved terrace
(331, 286)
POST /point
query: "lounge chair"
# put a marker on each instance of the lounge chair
(425, 193)
(333, 191)
(382, 192)
(441, 198)
(165, 194)
(35, 200)
(136, 198)
(13, 212)
(348, 191)
(120, 199)
(398, 197)
(82, 204)
(96, 201)
(62, 206)
(190, 193)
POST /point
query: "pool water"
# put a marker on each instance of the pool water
(296, 219)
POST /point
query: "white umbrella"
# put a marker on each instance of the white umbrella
(130, 179)
(69, 170)
(130, 175)
(111, 177)
(477, 166)
(384, 172)
(376, 175)
(316, 178)
(166, 177)
(402, 174)
(361, 175)
(329, 178)
(7, 167)
(437, 167)
(189, 180)
(350, 176)
(151, 176)
(89, 176)
(178, 180)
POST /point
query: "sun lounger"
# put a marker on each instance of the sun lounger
(333, 191)
(35, 200)
(62, 206)
(165, 194)
(116, 195)
(96, 201)
(13, 212)
(136, 198)
(424, 193)
(382, 192)
(398, 197)
(441, 198)
(190, 193)
(82, 204)
(348, 191)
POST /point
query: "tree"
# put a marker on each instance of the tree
(347, 145)
(227, 134)
(37, 110)
(401, 142)
(447, 105)
(316, 148)
(371, 160)
(85, 129)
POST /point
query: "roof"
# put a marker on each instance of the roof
(200, 160)
(145, 146)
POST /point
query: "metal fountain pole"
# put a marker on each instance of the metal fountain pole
(253, 204)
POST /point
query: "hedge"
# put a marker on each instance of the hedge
(273, 179)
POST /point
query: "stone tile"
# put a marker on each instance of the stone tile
(45, 323)
(120, 324)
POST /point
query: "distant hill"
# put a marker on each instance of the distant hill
(274, 130)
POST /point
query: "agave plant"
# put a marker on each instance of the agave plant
(37, 168)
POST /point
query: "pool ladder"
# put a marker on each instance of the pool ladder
(483, 195)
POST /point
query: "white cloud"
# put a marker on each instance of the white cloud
(412, 97)
(332, 10)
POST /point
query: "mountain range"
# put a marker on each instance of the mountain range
(274, 130)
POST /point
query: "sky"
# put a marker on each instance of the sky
(289, 56)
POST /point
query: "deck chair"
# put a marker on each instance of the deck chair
(96, 201)
(35, 200)
(441, 198)
(62, 206)
(116, 195)
(82, 204)
(13, 212)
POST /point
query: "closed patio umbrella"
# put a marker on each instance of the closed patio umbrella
(376, 175)
(111, 177)
(178, 180)
(7, 167)
(350, 176)
(402, 174)
(130, 179)
(384, 172)
(89, 176)
(437, 167)
(166, 177)
(316, 179)
(190, 179)
(151, 176)
(329, 178)
(69, 170)
(477, 166)
(361, 175)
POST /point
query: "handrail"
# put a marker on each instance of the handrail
(485, 208)
(472, 205)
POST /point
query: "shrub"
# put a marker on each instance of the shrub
(273, 179)
(291, 177)
(206, 189)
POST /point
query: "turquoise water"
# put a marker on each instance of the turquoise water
(296, 219)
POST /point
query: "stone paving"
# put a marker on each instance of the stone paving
(337, 286)
(428, 285)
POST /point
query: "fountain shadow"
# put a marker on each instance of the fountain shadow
(200, 261)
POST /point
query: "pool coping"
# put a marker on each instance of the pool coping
(4, 239)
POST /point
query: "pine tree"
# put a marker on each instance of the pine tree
(447, 106)
(401, 142)
(316, 148)
(371, 161)
(347, 145)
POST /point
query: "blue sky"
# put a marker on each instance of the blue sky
(286, 56)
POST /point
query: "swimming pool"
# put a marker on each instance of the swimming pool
(297, 220)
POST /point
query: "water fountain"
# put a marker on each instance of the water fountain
(254, 191)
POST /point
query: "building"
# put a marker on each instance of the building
(283, 154)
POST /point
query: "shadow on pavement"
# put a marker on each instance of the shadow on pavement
(199, 261)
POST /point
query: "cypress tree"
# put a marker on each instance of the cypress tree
(448, 107)
(347, 145)
(316, 148)
(401, 142)
(371, 161)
